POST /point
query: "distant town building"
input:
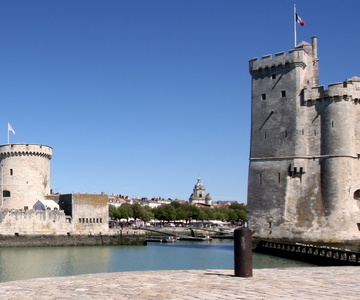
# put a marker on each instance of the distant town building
(224, 204)
(46, 204)
(199, 195)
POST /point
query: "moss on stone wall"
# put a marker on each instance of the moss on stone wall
(71, 240)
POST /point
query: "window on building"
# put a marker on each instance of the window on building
(79, 220)
(273, 76)
(357, 195)
(6, 194)
(283, 93)
(11, 172)
(263, 96)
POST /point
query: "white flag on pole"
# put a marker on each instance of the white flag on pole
(10, 128)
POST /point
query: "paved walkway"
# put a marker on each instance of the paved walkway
(292, 283)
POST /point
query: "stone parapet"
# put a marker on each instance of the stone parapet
(25, 149)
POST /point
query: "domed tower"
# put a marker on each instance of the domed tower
(199, 194)
(25, 174)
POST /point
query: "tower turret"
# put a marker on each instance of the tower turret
(25, 174)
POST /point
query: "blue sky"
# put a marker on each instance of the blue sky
(142, 97)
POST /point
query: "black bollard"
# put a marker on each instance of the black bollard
(243, 252)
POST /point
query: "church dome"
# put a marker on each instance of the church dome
(199, 184)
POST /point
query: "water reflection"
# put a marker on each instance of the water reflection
(24, 263)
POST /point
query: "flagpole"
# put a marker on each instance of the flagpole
(8, 135)
(295, 25)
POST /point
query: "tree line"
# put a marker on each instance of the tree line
(177, 211)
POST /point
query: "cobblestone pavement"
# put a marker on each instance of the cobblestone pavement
(291, 283)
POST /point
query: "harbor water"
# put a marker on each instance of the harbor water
(26, 263)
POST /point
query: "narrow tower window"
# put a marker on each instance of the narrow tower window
(357, 195)
(260, 178)
(273, 76)
(263, 96)
(285, 133)
(11, 172)
(332, 124)
(279, 178)
(283, 93)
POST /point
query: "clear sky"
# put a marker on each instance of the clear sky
(142, 97)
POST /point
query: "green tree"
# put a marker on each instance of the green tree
(125, 211)
(219, 214)
(138, 211)
(191, 212)
(209, 212)
(231, 215)
(113, 212)
(240, 206)
(181, 213)
(165, 212)
(149, 214)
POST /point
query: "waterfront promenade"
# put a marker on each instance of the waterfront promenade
(290, 283)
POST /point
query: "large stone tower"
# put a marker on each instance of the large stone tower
(25, 174)
(304, 172)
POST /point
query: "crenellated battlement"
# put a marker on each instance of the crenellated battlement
(349, 90)
(25, 150)
(298, 57)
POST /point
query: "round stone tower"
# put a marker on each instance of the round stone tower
(24, 174)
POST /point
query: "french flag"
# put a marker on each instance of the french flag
(299, 20)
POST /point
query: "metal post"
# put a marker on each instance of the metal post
(243, 252)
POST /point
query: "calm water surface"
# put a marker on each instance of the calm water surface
(24, 263)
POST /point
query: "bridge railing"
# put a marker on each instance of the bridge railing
(322, 255)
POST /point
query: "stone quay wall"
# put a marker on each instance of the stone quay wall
(33, 222)
(124, 237)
